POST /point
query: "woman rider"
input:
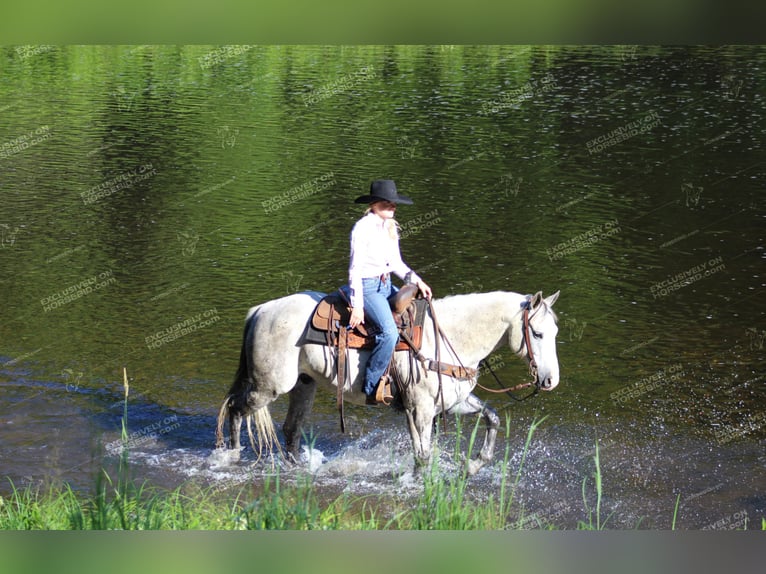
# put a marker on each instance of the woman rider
(374, 256)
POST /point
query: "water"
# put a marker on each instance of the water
(148, 188)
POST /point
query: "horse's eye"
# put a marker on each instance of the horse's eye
(537, 335)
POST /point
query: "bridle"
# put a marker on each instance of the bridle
(525, 342)
(526, 328)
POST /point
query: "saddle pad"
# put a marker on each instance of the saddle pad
(326, 314)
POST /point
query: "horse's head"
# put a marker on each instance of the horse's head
(539, 339)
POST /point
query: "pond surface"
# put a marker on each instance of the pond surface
(147, 189)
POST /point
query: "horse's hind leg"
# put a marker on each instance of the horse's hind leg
(301, 401)
(471, 405)
(234, 409)
(235, 427)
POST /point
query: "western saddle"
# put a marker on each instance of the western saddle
(332, 314)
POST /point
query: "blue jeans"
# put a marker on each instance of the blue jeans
(377, 314)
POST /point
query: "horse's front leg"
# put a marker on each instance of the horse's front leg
(301, 401)
(420, 418)
(471, 405)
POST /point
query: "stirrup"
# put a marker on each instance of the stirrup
(383, 393)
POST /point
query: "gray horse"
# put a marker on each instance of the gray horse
(275, 361)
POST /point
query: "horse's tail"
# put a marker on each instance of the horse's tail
(242, 380)
(260, 419)
(239, 387)
(237, 398)
(264, 428)
(223, 414)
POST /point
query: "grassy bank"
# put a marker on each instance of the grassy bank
(443, 503)
(120, 504)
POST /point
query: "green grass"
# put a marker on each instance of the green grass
(445, 502)
(109, 508)
(590, 525)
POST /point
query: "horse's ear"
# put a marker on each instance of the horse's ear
(536, 299)
(551, 299)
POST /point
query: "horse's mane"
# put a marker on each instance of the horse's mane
(450, 300)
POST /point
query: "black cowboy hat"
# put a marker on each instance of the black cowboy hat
(383, 190)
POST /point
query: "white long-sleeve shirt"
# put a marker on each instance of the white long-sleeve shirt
(373, 253)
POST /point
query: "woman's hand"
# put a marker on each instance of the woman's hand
(425, 289)
(357, 317)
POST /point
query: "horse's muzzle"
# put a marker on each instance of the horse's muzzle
(548, 384)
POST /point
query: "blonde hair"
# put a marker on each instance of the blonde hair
(392, 225)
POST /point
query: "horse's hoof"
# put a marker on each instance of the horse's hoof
(223, 456)
(291, 458)
(473, 466)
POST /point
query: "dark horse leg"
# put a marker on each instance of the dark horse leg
(234, 409)
(301, 401)
(235, 427)
(471, 405)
